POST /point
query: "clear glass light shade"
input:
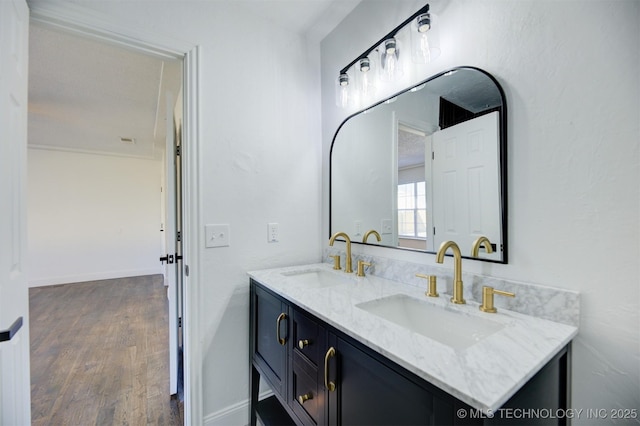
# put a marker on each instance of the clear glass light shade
(366, 74)
(390, 64)
(425, 43)
(343, 91)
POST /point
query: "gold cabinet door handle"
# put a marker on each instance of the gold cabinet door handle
(303, 343)
(303, 398)
(328, 384)
(281, 317)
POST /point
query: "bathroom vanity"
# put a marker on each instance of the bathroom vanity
(334, 349)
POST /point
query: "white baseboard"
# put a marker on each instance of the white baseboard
(67, 279)
(233, 415)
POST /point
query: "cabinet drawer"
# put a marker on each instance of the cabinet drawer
(307, 396)
(307, 337)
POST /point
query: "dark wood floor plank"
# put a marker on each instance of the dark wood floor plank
(100, 355)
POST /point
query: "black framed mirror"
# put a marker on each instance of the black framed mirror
(426, 166)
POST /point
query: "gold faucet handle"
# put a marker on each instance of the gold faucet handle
(432, 292)
(361, 265)
(336, 261)
(487, 298)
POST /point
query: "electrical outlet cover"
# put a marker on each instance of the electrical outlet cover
(386, 226)
(273, 233)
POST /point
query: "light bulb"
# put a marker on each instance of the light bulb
(342, 90)
(366, 79)
(423, 23)
(424, 40)
(390, 68)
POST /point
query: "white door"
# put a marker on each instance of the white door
(466, 190)
(15, 399)
(171, 269)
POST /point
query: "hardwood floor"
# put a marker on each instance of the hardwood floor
(100, 354)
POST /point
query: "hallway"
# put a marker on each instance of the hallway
(100, 353)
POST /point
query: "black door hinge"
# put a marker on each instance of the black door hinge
(178, 150)
(179, 236)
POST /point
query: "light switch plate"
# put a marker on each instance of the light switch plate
(217, 235)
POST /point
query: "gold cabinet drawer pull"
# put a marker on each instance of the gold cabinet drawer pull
(303, 343)
(328, 384)
(281, 317)
(303, 398)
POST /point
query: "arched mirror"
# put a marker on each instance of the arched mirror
(426, 166)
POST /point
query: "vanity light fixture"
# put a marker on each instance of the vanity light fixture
(383, 62)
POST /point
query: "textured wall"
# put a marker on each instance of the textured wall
(571, 74)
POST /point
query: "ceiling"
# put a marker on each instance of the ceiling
(86, 95)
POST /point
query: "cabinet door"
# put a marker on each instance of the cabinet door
(370, 393)
(270, 337)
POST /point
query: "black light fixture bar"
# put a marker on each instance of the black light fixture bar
(424, 9)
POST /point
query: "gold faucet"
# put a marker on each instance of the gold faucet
(370, 232)
(475, 249)
(348, 268)
(457, 269)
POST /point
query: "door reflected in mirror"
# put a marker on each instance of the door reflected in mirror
(426, 166)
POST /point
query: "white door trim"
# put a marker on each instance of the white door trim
(75, 19)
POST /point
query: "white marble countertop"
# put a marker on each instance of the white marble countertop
(484, 375)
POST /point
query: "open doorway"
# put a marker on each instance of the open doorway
(79, 125)
(413, 193)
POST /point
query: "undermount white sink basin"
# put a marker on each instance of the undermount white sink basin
(455, 329)
(316, 278)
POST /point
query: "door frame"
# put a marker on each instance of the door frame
(76, 20)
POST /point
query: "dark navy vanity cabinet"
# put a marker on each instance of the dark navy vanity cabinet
(321, 376)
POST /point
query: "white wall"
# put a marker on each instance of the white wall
(92, 217)
(571, 74)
